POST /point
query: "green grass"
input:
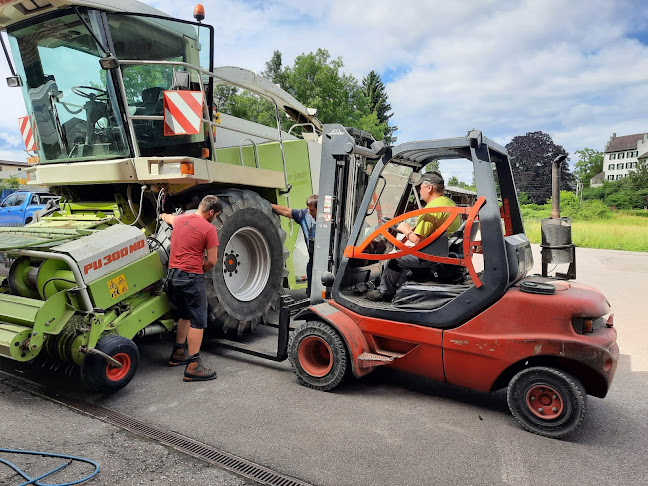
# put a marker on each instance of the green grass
(622, 231)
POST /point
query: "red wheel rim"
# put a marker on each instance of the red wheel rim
(315, 356)
(544, 402)
(115, 374)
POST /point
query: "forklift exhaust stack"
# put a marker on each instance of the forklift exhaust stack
(557, 244)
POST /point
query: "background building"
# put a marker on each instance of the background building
(622, 153)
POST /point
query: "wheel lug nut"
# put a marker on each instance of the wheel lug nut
(541, 410)
(532, 398)
(555, 396)
(554, 409)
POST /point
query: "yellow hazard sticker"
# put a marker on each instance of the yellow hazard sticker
(117, 286)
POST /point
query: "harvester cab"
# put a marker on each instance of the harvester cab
(466, 313)
(123, 115)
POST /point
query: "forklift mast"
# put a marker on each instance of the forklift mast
(348, 157)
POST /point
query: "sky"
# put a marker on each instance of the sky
(577, 70)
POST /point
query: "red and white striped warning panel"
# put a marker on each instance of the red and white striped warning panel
(183, 112)
(27, 132)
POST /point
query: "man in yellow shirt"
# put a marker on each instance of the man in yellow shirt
(431, 187)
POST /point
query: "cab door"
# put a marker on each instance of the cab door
(7, 210)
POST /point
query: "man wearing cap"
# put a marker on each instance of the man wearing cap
(431, 187)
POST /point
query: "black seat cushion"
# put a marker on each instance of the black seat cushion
(426, 296)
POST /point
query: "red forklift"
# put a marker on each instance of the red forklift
(475, 319)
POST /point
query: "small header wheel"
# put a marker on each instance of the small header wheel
(547, 401)
(103, 377)
(318, 356)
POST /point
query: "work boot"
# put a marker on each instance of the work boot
(179, 355)
(378, 296)
(195, 371)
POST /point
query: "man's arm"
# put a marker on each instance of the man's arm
(407, 230)
(212, 258)
(282, 210)
(167, 218)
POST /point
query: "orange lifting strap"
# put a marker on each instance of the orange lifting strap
(472, 212)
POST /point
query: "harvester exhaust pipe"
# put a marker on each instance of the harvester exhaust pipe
(557, 244)
(555, 185)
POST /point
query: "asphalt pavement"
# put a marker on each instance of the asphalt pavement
(387, 428)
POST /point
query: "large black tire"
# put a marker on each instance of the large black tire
(248, 278)
(238, 302)
(547, 401)
(99, 376)
(318, 355)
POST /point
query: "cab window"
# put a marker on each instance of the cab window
(9, 202)
(140, 38)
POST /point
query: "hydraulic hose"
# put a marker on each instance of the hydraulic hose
(36, 480)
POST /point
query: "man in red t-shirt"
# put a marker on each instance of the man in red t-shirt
(192, 238)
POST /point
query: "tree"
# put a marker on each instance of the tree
(639, 177)
(274, 69)
(432, 166)
(11, 182)
(523, 198)
(317, 81)
(374, 89)
(590, 163)
(531, 158)
(453, 181)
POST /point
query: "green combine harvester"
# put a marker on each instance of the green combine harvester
(122, 105)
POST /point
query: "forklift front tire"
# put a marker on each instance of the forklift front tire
(100, 376)
(547, 401)
(318, 356)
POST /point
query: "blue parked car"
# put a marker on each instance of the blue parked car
(18, 208)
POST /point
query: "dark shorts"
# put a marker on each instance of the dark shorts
(188, 297)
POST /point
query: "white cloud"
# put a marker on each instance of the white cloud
(10, 139)
(576, 70)
(13, 155)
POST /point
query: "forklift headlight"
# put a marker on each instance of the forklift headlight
(14, 81)
(587, 325)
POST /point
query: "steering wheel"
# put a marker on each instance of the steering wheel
(393, 231)
(99, 95)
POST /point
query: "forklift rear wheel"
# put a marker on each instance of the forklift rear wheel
(547, 401)
(103, 377)
(318, 356)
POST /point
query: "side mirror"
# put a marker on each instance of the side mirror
(14, 81)
(180, 80)
(108, 62)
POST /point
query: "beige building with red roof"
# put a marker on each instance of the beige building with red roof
(622, 154)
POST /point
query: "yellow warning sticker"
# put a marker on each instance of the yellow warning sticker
(117, 286)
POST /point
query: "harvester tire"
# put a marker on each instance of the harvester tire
(244, 287)
(99, 376)
(318, 356)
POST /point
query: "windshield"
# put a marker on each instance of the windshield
(71, 98)
(140, 38)
(387, 195)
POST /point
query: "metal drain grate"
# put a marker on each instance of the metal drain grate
(230, 462)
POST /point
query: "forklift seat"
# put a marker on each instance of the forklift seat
(427, 295)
